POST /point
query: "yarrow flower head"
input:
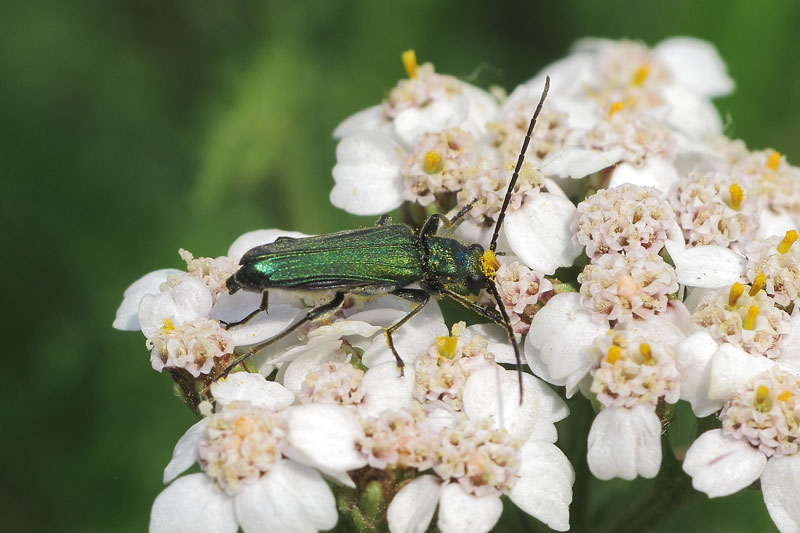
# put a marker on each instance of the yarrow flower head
(620, 286)
(675, 277)
(623, 218)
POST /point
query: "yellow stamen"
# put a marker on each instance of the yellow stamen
(774, 159)
(758, 283)
(785, 395)
(168, 326)
(616, 106)
(641, 75)
(750, 319)
(613, 355)
(736, 195)
(647, 353)
(433, 163)
(243, 426)
(447, 346)
(489, 264)
(410, 63)
(763, 402)
(736, 291)
(788, 241)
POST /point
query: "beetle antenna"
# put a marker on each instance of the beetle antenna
(520, 159)
(510, 330)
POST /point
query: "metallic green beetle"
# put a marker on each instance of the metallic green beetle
(383, 259)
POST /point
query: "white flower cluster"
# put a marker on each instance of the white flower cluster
(677, 279)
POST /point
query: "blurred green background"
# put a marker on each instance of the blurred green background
(131, 128)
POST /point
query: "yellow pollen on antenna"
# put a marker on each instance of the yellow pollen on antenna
(616, 106)
(447, 346)
(774, 159)
(788, 241)
(750, 319)
(785, 395)
(758, 283)
(168, 326)
(736, 195)
(736, 291)
(613, 354)
(410, 63)
(433, 163)
(641, 74)
(489, 264)
(646, 352)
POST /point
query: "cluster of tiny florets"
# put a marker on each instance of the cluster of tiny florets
(438, 165)
(194, 346)
(781, 270)
(482, 459)
(765, 413)
(240, 444)
(620, 286)
(753, 322)
(705, 211)
(521, 292)
(623, 218)
(632, 369)
(442, 371)
(420, 90)
(332, 383)
(397, 437)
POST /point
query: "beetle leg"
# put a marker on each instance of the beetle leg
(418, 296)
(317, 312)
(263, 306)
(384, 220)
(432, 224)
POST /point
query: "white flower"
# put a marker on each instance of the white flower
(759, 439)
(247, 482)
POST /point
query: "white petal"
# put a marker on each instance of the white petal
(708, 266)
(696, 64)
(384, 388)
(625, 443)
(721, 465)
(185, 452)
(439, 115)
(367, 174)
(254, 238)
(540, 234)
(127, 317)
(576, 162)
(262, 326)
(780, 484)
(368, 119)
(310, 358)
(460, 512)
(557, 342)
(656, 172)
(413, 337)
(482, 110)
(771, 223)
(413, 506)
(253, 388)
(188, 300)
(693, 357)
(497, 339)
(691, 114)
(192, 504)
(324, 436)
(732, 368)
(544, 487)
(493, 393)
(291, 498)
